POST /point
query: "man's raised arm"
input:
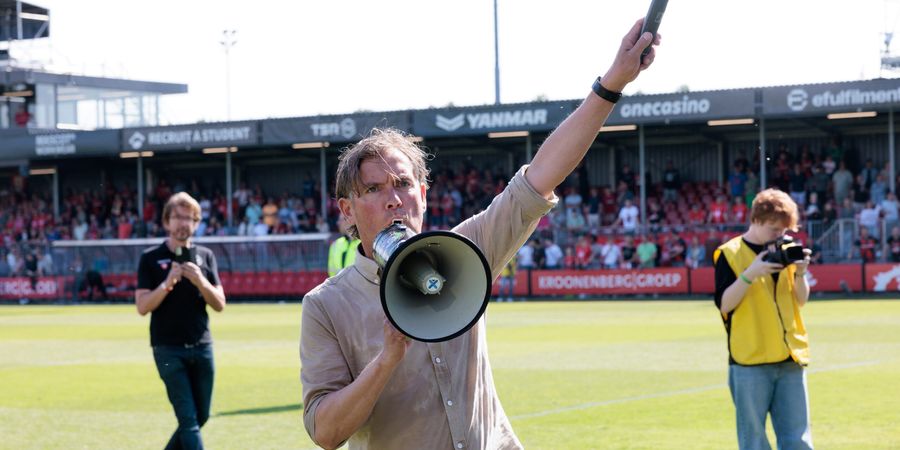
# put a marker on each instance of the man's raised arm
(567, 145)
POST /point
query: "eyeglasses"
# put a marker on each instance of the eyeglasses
(185, 218)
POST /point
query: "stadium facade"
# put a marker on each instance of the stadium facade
(703, 133)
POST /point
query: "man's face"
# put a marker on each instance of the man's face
(181, 224)
(389, 191)
(769, 231)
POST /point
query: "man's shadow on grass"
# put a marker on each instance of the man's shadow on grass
(266, 410)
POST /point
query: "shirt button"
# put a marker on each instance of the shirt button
(459, 444)
(449, 402)
(437, 360)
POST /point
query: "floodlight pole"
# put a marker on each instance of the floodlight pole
(228, 41)
(496, 59)
(19, 19)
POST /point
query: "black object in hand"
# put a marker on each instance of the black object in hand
(652, 21)
(185, 254)
(785, 252)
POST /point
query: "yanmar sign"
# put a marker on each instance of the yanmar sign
(490, 120)
(647, 281)
(469, 121)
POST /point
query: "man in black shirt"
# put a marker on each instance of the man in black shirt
(176, 281)
(671, 182)
(893, 245)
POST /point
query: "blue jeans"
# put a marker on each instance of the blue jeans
(506, 286)
(776, 389)
(188, 375)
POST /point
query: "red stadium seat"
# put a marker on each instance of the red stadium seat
(262, 281)
(291, 283)
(248, 283)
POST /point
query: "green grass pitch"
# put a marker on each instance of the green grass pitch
(606, 375)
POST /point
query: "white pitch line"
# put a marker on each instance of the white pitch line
(673, 393)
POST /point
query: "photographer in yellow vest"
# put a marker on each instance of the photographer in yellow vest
(768, 347)
(342, 252)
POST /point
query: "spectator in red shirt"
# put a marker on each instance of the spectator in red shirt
(125, 226)
(718, 211)
(583, 253)
(570, 261)
(866, 246)
(738, 211)
(696, 216)
(610, 207)
(149, 210)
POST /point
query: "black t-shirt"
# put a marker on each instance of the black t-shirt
(181, 318)
(31, 262)
(725, 276)
(894, 246)
(671, 179)
(628, 252)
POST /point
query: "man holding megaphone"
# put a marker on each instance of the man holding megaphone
(366, 381)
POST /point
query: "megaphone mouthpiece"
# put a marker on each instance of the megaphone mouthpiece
(418, 272)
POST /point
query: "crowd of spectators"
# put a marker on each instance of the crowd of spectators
(600, 226)
(593, 226)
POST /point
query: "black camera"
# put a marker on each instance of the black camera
(185, 255)
(785, 251)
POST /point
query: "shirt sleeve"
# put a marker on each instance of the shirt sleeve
(507, 223)
(725, 277)
(144, 274)
(213, 266)
(323, 367)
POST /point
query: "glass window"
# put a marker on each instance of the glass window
(45, 106)
(114, 113)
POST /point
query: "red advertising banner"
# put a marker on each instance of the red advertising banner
(519, 290)
(835, 278)
(667, 280)
(883, 278)
(703, 280)
(20, 287)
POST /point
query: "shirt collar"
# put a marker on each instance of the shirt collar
(367, 267)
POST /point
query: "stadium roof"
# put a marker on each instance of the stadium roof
(28, 76)
(673, 118)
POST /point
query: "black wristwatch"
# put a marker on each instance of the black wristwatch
(604, 93)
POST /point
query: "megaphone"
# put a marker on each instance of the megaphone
(434, 285)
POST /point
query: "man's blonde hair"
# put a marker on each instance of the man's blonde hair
(348, 180)
(773, 205)
(184, 200)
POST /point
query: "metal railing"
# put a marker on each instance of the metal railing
(294, 252)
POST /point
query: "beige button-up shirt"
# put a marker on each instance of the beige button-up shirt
(442, 395)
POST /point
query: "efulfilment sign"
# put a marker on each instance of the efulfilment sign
(818, 99)
(189, 137)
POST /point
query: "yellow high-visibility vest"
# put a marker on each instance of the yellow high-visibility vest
(341, 253)
(766, 326)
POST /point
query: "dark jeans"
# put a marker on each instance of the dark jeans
(188, 375)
